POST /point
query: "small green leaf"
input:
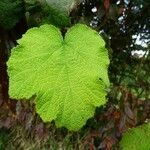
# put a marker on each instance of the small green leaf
(68, 76)
(59, 11)
(64, 5)
(137, 138)
(10, 13)
(39, 13)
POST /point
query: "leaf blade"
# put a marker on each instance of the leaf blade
(136, 138)
(66, 85)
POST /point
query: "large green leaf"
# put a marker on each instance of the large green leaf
(68, 76)
(11, 12)
(137, 138)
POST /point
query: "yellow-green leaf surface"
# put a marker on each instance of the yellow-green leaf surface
(137, 138)
(68, 76)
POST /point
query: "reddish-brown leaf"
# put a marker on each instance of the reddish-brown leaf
(106, 4)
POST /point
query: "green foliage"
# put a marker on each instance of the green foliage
(68, 76)
(137, 138)
(3, 139)
(64, 6)
(50, 11)
(10, 13)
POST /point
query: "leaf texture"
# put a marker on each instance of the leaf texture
(68, 76)
(137, 138)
